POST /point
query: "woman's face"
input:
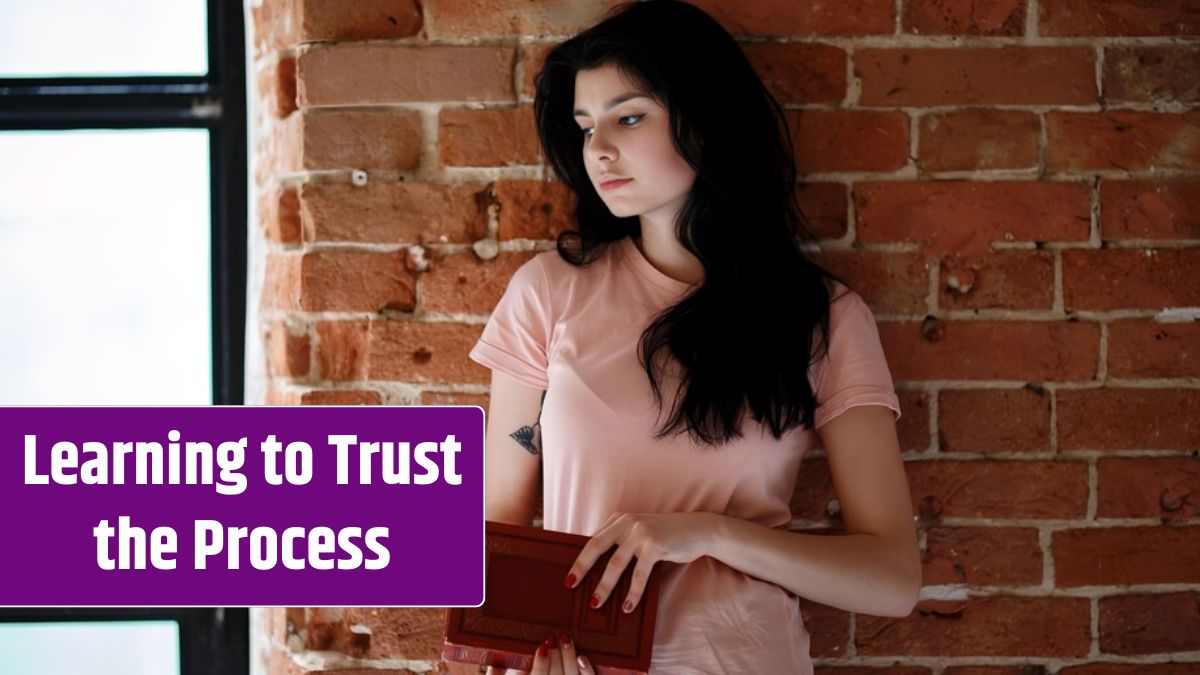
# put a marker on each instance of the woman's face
(627, 136)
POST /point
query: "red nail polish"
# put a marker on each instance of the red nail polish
(570, 581)
(544, 649)
(566, 641)
(595, 601)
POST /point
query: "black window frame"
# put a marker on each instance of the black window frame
(213, 640)
(215, 101)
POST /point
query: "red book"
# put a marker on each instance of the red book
(526, 600)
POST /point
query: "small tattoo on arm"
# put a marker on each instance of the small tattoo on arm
(530, 437)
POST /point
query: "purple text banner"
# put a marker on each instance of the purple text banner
(242, 506)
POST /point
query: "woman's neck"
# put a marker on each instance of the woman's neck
(663, 250)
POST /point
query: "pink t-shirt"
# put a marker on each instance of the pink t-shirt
(574, 332)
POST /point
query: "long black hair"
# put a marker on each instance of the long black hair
(745, 335)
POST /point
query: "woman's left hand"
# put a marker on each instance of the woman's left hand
(649, 537)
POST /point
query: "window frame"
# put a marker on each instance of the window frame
(213, 640)
(215, 101)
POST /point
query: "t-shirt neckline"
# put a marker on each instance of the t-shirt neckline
(633, 256)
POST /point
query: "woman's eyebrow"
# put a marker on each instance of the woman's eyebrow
(613, 102)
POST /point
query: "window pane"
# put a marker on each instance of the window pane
(96, 648)
(63, 38)
(104, 268)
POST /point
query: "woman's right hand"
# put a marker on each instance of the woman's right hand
(554, 657)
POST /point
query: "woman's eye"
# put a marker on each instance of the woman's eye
(635, 118)
(620, 120)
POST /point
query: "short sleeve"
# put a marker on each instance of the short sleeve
(516, 339)
(854, 371)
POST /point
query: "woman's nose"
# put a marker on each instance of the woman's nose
(599, 148)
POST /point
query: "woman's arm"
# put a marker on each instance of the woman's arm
(875, 568)
(513, 451)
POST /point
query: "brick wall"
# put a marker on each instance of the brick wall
(1011, 184)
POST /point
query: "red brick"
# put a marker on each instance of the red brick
(828, 628)
(1115, 556)
(340, 139)
(360, 20)
(824, 208)
(534, 209)
(1125, 418)
(281, 283)
(891, 283)
(491, 137)
(870, 670)
(1000, 488)
(454, 398)
(913, 427)
(394, 212)
(848, 140)
(287, 352)
(279, 213)
(414, 351)
(994, 420)
(394, 632)
(1125, 140)
(342, 349)
(465, 284)
(785, 18)
(278, 148)
(281, 394)
(277, 86)
(275, 27)
(350, 74)
(1149, 487)
(1130, 278)
(992, 350)
(964, 17)
(340, 397)
(978, 139)
(1149, 349)
(961, 75)
(996, 670)
(1049, 626)
(356, 281)
(1118, 17)
(533, 56)
(1150, 209)
(965, 217)
(798, 72)
(469, 18)
(1152, 73)
(1008, 279)
(1150, 623)
(1167, 668)
(989, 556)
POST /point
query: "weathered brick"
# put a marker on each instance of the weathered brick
(848, 140)
(965, 217)
(394, 212)
(964, 17)
(277, 86)
(469, 18)
(279, 213)
(798, 72)
(989, 556)
(360, 20)
(828, 627)
(454, 398)
(890, 283)
(1009, 279)
(1050, 626)
(533, 55)
(1117, 17)
(913, 427)
(978, 139)
(356, 281)
(1114, 556)
(824, 206)
(349, 74)
(465, 284)
(287, 351)
(490, 137)
(1130, 278)
(281, 282)
(1149, 349)
(1167, 73)
(342, 349)
(999, 488)
(994, 420)
(1148, 487)
(1135, 209)
(1122, 418)
(785, 18)
(341, 139)
(1150, 623)
(965, 75)
(991, 350)
(534, 209)
(340, 397)
(414, 351)
(1125, 140)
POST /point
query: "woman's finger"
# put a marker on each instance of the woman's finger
(567, 645)
(556, 661)
(541, 659)
(585, 666)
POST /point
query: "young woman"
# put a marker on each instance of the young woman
(668, 366)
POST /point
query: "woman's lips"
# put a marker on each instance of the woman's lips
(614, 184)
